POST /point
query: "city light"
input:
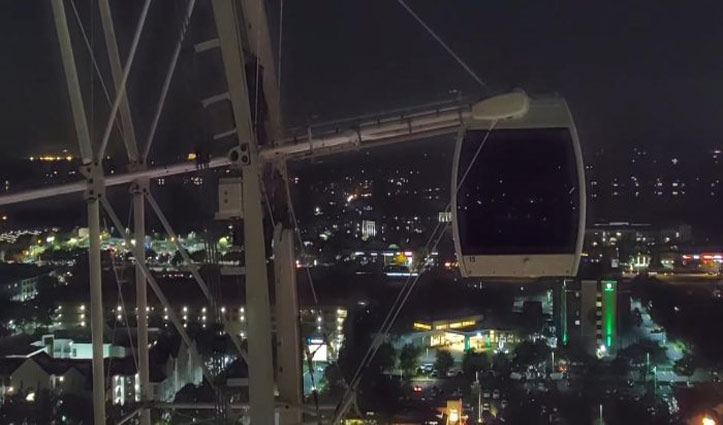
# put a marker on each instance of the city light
(707, 420)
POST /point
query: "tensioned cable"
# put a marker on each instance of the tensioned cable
(410, 283)
(92, 65)
(91, 52)
(443, 44)
(281, 39)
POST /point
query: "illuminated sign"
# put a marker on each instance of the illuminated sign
(422, 326)
(464, 324)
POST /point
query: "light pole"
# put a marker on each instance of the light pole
(655, 381)
(600, 421)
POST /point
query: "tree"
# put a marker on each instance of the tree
(333, 378)
(527, 353)
(409, 359)
(385, 358)
(639, 352)
(501, 364)
(474, 362)
(620, 365)
(684, 366)
(443, 362)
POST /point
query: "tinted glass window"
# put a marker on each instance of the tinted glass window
(520, 196)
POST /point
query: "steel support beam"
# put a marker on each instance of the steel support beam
(138, 188)
(259, 38)
(157, 290)
(121, 86)
(95, 194)
(288, 341)
(431, 123)
(94, 191)
(71, 79)
(110, 180)
(126, 119)
(167, 81)
(96, 311)
(261, 374)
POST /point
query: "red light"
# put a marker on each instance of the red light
(417, 389)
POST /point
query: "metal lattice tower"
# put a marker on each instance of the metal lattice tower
(247, 159)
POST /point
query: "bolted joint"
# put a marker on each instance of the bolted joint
(137, 165)
(139, 187)
(240, 156)
(95, 179)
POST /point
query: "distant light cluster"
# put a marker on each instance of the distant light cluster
(51, 158)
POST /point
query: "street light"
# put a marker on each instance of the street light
(707, 420)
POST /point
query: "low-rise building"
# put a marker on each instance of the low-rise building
(173, 365)
(27, 375)
(475, 332)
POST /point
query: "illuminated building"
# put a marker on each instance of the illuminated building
(591, 314)
(445, 217)
(323, 330)
(21, 290)
(368, 228)
(562, 310)
(608, 336)
(476, 333)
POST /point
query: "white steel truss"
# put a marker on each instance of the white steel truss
(249, 158)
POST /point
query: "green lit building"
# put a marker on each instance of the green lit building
(590, 314)
(608, 323)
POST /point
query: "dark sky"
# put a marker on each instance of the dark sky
(645, 73)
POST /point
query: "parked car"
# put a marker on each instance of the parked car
(454, 372)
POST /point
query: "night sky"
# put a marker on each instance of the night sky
(643, 73)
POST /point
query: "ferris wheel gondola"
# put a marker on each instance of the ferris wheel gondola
(518, 190)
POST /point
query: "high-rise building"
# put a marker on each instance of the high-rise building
(445, 217)
(368, 228)
(590, 315)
